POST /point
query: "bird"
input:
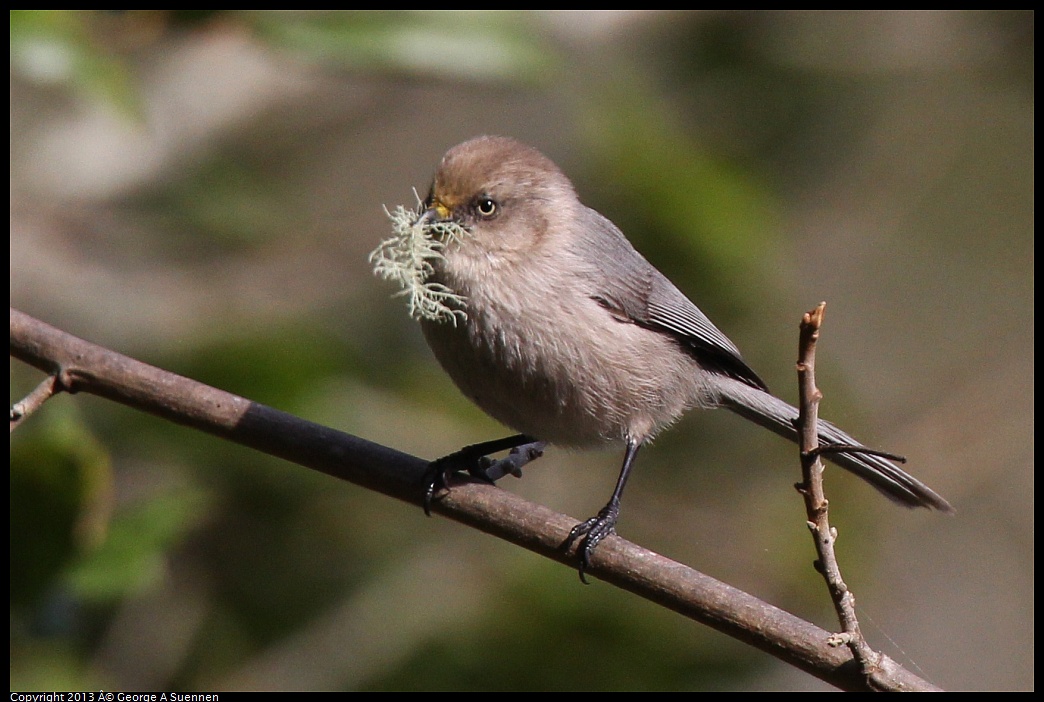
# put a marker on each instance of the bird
(551, 322)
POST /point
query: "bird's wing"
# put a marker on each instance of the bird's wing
(633, 289)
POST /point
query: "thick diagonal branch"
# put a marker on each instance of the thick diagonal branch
(86, 367)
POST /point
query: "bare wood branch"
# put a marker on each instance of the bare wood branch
(871, 663)
(86, 367)
(48, 388)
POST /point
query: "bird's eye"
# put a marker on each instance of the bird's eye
(486, 207)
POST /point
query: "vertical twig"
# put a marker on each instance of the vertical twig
(816, 504)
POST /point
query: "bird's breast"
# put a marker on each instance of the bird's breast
(543, 357)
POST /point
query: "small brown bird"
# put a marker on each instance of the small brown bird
(560, 329)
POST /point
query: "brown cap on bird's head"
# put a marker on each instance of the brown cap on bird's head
(497, 169)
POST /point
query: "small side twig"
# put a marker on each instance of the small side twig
(816, 504)
(48, 388)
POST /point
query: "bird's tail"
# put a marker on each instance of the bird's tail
(776, 415)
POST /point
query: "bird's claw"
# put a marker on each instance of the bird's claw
(592, 531)
(440, 468)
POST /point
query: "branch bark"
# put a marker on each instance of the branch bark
(817, 507)
(80, 366)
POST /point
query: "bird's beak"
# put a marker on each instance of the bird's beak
(435, 212)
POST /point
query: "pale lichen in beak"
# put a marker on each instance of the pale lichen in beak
(407, 258)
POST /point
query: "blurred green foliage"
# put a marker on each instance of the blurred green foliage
(59, 474)
(456, 44)
(59, 47)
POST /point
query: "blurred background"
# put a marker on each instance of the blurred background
(200, 189)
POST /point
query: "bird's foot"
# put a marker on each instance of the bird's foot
(592, 532)
(456, 462)
(513, 462)
(474, 461)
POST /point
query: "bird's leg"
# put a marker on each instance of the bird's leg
(475, 460)
(602, 524)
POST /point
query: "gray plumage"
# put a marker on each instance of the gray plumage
(572, 337)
